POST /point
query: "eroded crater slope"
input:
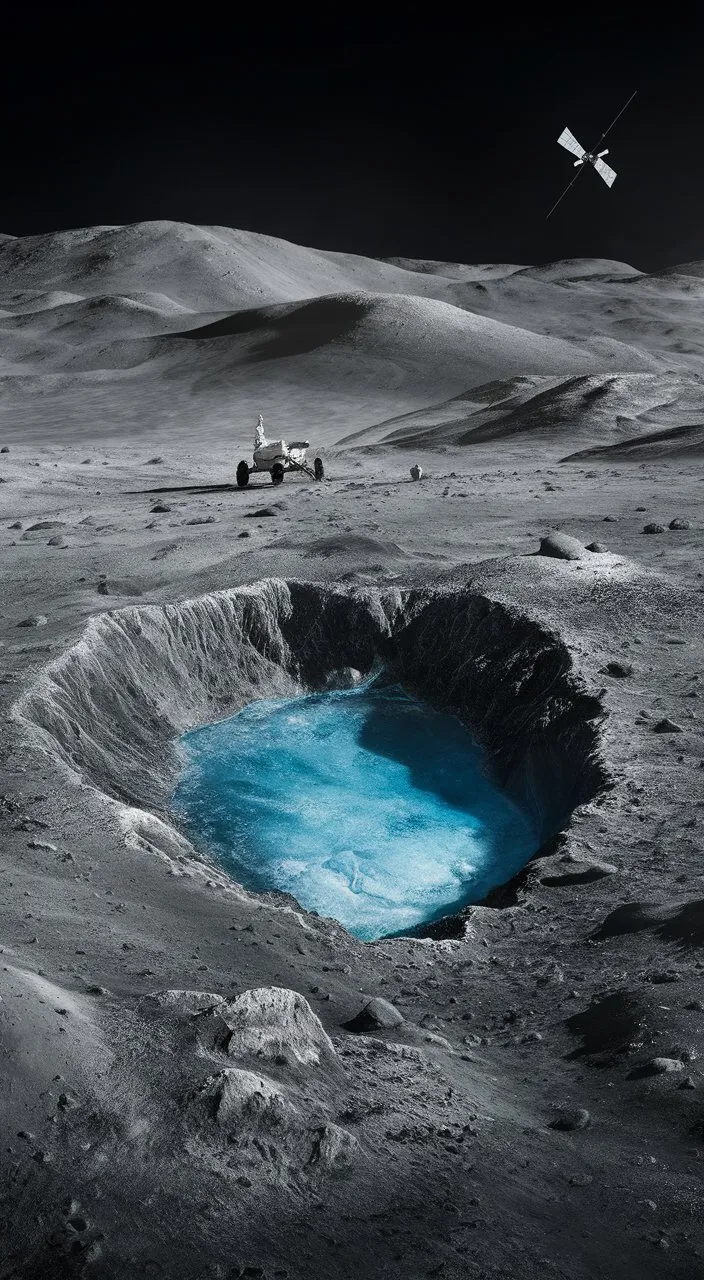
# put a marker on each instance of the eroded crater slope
(115, 705)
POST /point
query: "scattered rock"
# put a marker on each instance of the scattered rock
(431, 1037)
(697, 1006)
(611, 519)
(261, 512)
(665, 975)
(201, 520)
(653, 527)
(34, 620)
(85, 462)
(42, 844)
(244, 534)
(377, 1014)
(56, 541)
(277, 1024)
(567, 1121)
(102, 587)
(597, 547)
(688, 1083)
(619, 670)
(159, 508)
(5, 449)
(333, 1147)
(667, 726)
(17, 524)
(656, 1067)
(678, 524)
(561, 546)
(416, 472)
(46, 524)
(154, 462)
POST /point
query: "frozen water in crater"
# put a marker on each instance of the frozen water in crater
(365, 804)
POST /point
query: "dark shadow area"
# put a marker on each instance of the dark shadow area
(546, 410)
(675, 442)
(511, 682)
(681, 922)
(609, 1027)
(291, 332)
(435, 747)
(187, 488)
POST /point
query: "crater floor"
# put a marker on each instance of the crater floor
(363, 804)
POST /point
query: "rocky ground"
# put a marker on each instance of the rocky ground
(182, 1093)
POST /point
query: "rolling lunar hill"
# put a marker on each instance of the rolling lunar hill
(164, 328)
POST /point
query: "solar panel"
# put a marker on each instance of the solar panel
(570, 143)
(606, 172)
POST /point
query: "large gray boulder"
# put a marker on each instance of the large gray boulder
(561, 546)
(377, 1015)
(276, 1024)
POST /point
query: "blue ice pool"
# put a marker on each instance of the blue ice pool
(365, 804)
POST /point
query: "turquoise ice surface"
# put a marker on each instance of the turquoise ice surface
(365, 804)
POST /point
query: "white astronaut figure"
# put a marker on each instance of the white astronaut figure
(260, 439)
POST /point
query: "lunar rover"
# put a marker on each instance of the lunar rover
(277, 457)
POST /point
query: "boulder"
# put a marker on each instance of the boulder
(248, 1103)
(657, 1067)
(34, 620)
(620, 670)
(561, 547)
(377, 1015)
(570, 1120)
(334, 1148)
(276, 1024)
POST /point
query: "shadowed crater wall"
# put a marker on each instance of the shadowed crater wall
(113, 707)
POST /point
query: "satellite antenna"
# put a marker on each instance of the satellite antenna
(594, 157)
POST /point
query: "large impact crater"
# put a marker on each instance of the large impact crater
(113, 708)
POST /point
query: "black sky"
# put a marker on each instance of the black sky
(365, 136)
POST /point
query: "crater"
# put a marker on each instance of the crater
(115, 707)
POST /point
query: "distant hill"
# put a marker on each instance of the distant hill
(164, 326)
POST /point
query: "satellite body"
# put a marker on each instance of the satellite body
(570, 143)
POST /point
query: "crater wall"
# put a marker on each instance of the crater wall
(115, 705)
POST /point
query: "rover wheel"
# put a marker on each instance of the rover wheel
(319, 469)
(277, 473)
(242, 475)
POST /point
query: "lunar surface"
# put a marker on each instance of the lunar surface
(202, 1081)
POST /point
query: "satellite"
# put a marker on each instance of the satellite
(594, 157)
